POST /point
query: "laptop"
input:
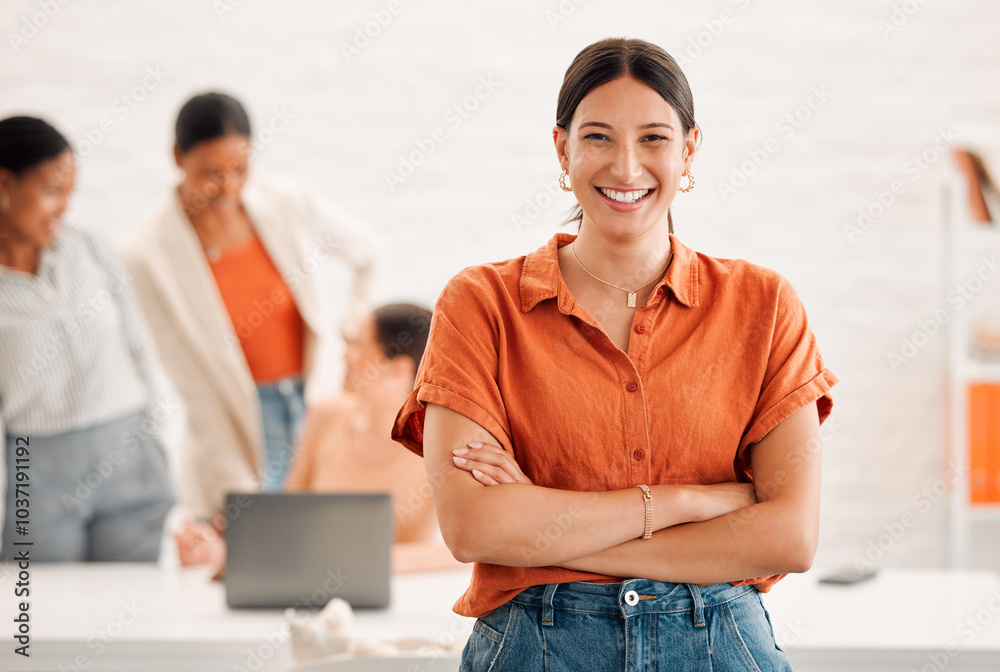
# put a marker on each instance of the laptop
(303, 549)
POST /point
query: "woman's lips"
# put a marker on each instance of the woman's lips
(625, 201)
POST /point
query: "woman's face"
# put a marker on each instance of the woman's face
(625, 152)
(37, 200)
(214, 173)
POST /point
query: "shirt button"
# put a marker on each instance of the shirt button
(631, 387)
(661, 291)
(641, 329)
(631, 598)
(638, 454)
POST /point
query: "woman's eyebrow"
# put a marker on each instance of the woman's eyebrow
(655, 124)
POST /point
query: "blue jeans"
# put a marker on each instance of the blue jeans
(282, 408)
(636, 625)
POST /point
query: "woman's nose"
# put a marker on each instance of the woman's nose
(626, 165)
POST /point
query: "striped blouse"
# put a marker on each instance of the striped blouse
(73, 349)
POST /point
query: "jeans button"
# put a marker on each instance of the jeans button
(286, 387)
(631, 598)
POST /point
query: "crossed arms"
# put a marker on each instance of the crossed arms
(702, 533)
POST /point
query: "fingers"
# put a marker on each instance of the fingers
(495, 465)
(485, 479)
(494, 473)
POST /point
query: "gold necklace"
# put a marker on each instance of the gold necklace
(631, 292)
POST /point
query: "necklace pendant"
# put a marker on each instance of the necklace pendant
(631, 299)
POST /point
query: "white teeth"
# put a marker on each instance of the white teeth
(624, 196)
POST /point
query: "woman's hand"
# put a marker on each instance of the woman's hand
(199, 544)
(489, 464)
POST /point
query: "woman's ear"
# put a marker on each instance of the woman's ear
(178, 157)
(561, 137)
(690, 146)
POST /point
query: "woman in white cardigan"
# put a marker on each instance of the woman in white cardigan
(228, 274)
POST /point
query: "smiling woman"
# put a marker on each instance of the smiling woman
(241, 328)
(81, 392)
(622, 433)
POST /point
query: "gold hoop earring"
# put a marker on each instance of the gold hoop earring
(562, 181)
(690, 184)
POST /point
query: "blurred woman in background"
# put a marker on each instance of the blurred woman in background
(82, 398)
(226, 274)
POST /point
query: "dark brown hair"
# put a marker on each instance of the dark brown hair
(26, 142)
(402, 329)
(209, 116)
(616, 57)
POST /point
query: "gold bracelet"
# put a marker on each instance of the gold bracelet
(647, 497)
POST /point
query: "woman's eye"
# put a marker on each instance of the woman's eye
(596, 136)
(653, 138)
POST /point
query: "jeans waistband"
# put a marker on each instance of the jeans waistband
(282, 387)
(631, 597)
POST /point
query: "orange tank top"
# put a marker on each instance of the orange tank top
(262, 310)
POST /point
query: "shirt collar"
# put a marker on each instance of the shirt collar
(541, 279)
(46, 261)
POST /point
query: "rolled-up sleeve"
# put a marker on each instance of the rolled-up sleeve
(794, 376)
(460, 366)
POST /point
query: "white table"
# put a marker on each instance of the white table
(901, 620)
(128, 617)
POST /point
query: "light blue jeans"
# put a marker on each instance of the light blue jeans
(282, 409)
(636, 625)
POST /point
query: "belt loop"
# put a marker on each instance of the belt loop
(699, 604)
(548, 612)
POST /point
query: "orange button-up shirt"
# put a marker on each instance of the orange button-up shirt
(718, 356)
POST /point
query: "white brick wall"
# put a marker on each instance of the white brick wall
(889, 94)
